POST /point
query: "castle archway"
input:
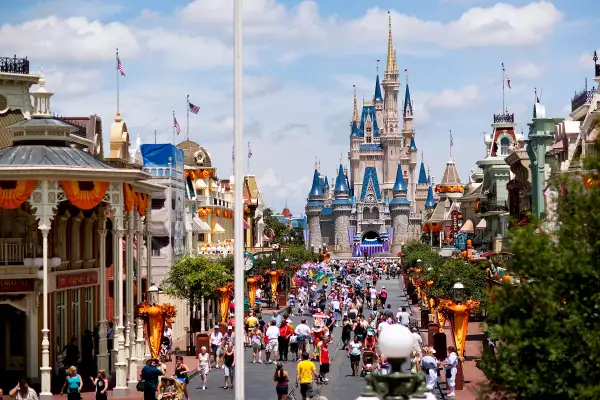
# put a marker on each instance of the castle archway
(371, 236)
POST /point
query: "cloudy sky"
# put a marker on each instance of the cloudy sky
(301, 60)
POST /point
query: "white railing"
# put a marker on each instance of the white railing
(12, 252)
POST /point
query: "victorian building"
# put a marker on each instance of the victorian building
(66, 215)
(363, 223)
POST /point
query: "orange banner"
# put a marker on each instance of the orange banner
(460, 326)
(84, 195)
(155, 328)
(252, 284)
(274, 279)
(15, 193)
(224, 298)
(441, 319)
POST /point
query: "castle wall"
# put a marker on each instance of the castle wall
(314, 226)
(401, 229)
(342, 222)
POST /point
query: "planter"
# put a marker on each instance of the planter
(282, 300)
(424, 318)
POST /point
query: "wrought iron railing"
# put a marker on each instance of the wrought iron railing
(581, 98)
(14, 65)
(78, 130)
(499, 118)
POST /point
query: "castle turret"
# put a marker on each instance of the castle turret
(421, 188)
(391, 86)
(399, 211)
(430, 202)
(342, 207)
(314, 206)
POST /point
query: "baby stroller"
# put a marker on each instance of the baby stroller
(165, 350)
(368, 361)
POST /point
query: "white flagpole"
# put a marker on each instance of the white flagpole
(187, 135)
(173, 123)
(117, 71)
(238, 234)
(503, 78)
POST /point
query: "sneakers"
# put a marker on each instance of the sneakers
(451, 394)
(260, 361)
(253, 361)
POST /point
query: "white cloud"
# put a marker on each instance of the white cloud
(74, 82)
(72, 8)
(449, 99)
(526, 70)
(260, 85)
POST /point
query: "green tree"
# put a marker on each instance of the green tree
(280, 229)
(445, 275)
(547, 326)
(193, 277)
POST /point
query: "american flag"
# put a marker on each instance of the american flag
(508, 81)
(451, 139)
(194, 108)
(249, 151)
(232, 153)
(176, 125)
(120, 67)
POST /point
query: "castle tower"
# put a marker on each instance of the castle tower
(391, 86)
(314, 206)
(342, 207)
(355, 141)
(408, 140)
(421, 187)
(430, 202)
(399, 211)
(378, 100)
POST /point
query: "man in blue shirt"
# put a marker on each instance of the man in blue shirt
(150, 374)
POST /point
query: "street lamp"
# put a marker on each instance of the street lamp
(396, 342)
(153, 294)
(273, 263)
(458, 291)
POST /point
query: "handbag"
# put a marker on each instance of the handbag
(140, 385)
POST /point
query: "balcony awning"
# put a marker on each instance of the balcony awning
(467, 227)
(482, 224)
(200, 184)
(218, 228)
(199, 226)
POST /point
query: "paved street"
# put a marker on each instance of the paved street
(259, 377)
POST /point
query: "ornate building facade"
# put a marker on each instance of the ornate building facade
(371, 210)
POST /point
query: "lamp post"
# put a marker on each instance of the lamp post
(458, 292)
(152, 292)
(396, 342)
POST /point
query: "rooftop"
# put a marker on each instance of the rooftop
(14, 65)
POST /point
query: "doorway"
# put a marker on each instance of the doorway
(13, 341)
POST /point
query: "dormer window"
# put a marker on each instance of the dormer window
(504, 146)
(368, 139)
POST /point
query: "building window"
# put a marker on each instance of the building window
(368, 139)
(504, 146)
(88, 309)
(201, 237)
(61, 320)
(75, 313)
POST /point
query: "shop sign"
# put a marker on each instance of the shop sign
(16, 285)
(454, 217)
(501, 259)
(80, 279)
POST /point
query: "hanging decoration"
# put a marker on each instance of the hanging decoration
(203, 212)
(15, 193)
(142, 203)
(84, 195)
(129, 196)
(274, 278)
(155, 316)
(224, 298)
(252, 286)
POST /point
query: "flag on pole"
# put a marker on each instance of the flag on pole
(233, 153)
(508, 81)
(451, 139)
(249, 151)
(194, 108)
(120, 67)
(176, 125)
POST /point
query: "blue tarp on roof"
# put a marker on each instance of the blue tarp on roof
(157, 155)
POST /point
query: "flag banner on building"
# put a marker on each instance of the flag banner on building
(194, 108)
(306, 233)
(508, 81)
(451, 139)
(120, 67)
(249, 151)
(176, 125)
(391, 232)
(351, 233)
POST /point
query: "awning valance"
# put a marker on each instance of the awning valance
(482, 224)
(199, 226)
(218, 228)
(467, 227)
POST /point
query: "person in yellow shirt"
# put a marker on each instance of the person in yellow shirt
(251, 321)
(304, 376)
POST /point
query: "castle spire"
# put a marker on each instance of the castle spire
(355, 117)
(316, 191)
(390, 50)
(430, 202)
(408, 107)
(341, 186)
(377, 96)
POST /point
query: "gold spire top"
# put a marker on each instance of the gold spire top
(390, 50)
(316, 163)
(395, 61)
(355, 111)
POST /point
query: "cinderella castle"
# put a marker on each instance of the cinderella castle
(375, 205)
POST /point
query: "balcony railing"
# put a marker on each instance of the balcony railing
(500, 118)
(581, 98)
(14, 65)
(13, 253)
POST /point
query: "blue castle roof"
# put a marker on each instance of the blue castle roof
(317, 189)
(413, 146)
(354, 129)
(423, 180)
(370, 146)
(370, 176)
(378, 96)
(407, 103)
(399, 185)
(368, 111)
(325, 183)
(430, 202)
(340, 182)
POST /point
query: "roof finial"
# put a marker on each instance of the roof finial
(377, 68)
(406, 73)
(316, 163)
(319, 164)
(363, 100)
(355, 111)
(341, 157)
(390, 50)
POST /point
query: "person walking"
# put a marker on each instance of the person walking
(203, 366)
(450, 369)
(256, 340)
(354, 352)
(285, 332)
(149, 375)
(429, 365)
(73, 384)
(229, 363)
(305, 371)
(324, 362)
(216, 341)
(23, 391)
(272, 346)
(101, 384)
(302, 336)
(282, 380)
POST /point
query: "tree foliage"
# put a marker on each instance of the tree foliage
(283, 232)
(194, 277)
(548, 326)
(452, 270)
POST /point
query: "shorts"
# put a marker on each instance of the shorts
(256, 346)
(229, 371)
(272, 346)
(301, 345)
(354, 358)
(282, 390)
(324, 369)
(306, 389)
(216, 350)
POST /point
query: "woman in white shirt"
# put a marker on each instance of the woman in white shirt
(429, 365)
(354, 352)
(450, 368)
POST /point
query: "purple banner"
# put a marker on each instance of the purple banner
(391, 233)
(307, 239)
(351, 233)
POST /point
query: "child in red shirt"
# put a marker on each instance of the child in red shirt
(324, 362)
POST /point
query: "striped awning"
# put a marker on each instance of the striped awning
(199, 226)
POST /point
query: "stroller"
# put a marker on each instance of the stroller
(368, 361)
(165, 350)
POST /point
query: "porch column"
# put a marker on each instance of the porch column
(202, 320)
(45, 213)
(130, 326)
(139, 325)
(120, 389)
(147, 221)
(102, 342)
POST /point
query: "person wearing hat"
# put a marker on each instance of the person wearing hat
(450, 369)
(429, 365)
(383, 296)
(216, 341)
(229, 337)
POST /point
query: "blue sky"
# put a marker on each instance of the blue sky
(301, 60)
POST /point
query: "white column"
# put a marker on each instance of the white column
(147, 221)
(139, 326)
(102, 343)
(202, 320)
(130, 327)
(116, 291)
(33, 332)
(120, 389)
